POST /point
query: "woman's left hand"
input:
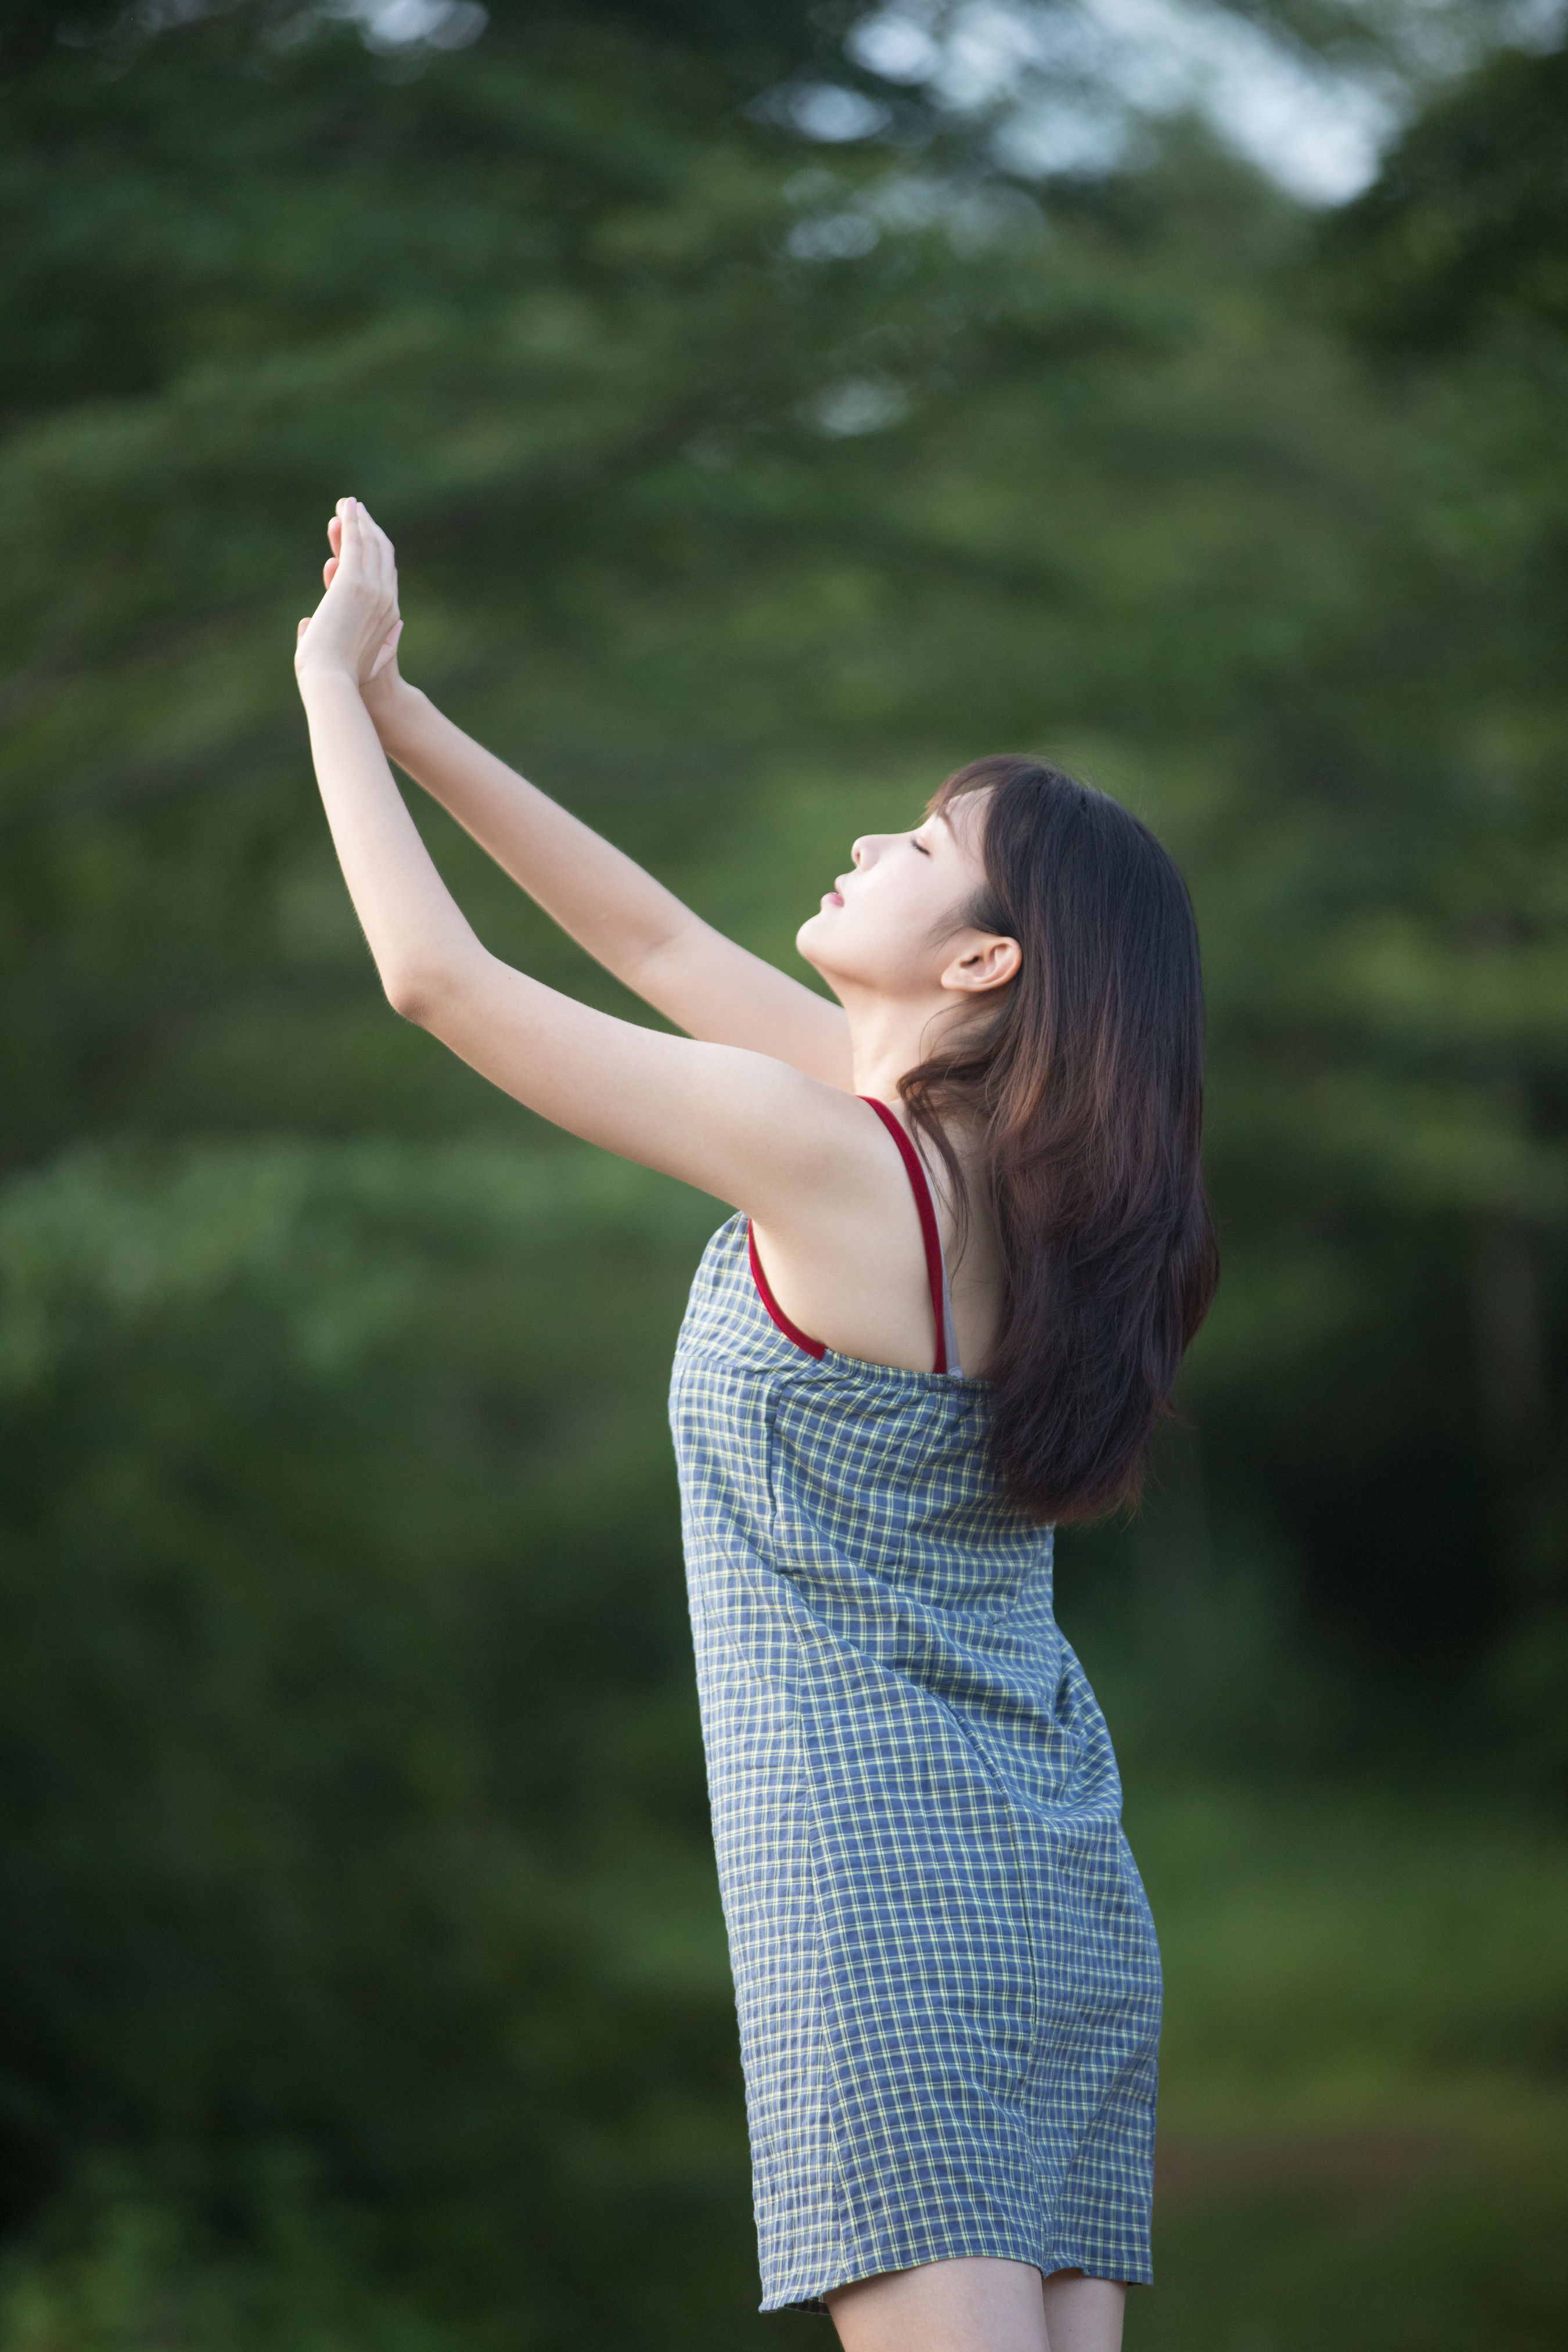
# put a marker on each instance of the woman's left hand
(355, 629)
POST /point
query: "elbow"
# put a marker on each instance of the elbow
(417, 992)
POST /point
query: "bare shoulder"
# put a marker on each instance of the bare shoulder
(812, 1165)
(815, 1152)
(845, 1255)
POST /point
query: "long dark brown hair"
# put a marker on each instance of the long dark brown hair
(1086, 1090)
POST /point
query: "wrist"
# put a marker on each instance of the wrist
(397, 710)
(326, 678)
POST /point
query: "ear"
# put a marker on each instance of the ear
(985, 962)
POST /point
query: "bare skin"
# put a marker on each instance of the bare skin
(755, 1103)
(979, 2305)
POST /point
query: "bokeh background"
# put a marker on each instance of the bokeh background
(775, 406)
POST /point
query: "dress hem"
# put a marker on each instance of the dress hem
(812, 2299)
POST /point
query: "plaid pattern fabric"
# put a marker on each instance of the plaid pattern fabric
(945, 1970)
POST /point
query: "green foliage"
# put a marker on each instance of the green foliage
(1468, 223)
(1364, 2133)
(128, 2273)
(353, 1796)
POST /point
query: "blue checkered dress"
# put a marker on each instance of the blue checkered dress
(945, 1969)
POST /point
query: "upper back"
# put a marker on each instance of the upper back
(859, 1269)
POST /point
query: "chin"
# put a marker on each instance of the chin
(806, 940)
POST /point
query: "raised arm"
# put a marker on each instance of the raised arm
(742, 1125)
(627, 921)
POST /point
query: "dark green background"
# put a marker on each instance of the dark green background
(363, 1987)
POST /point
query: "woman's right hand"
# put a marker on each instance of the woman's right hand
(385, 685)
(355, 627)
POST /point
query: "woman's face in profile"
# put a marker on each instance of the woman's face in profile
(890, 923)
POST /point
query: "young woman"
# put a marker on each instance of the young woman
(946, 1974)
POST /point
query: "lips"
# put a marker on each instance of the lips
(833, 898)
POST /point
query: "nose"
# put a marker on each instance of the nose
(859, 851)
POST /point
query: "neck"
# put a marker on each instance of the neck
(890, 1037)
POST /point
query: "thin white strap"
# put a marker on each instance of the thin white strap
(955, 1370)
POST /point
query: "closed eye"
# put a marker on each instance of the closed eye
(919, 846)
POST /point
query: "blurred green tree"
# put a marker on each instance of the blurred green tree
(1451, 273)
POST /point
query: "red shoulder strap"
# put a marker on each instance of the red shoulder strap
(927, 1208)
(764, 1292)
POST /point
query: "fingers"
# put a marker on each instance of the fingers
(361, 576)
(350, 551)
(380, 553)
(367, 548)
(373, 532)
